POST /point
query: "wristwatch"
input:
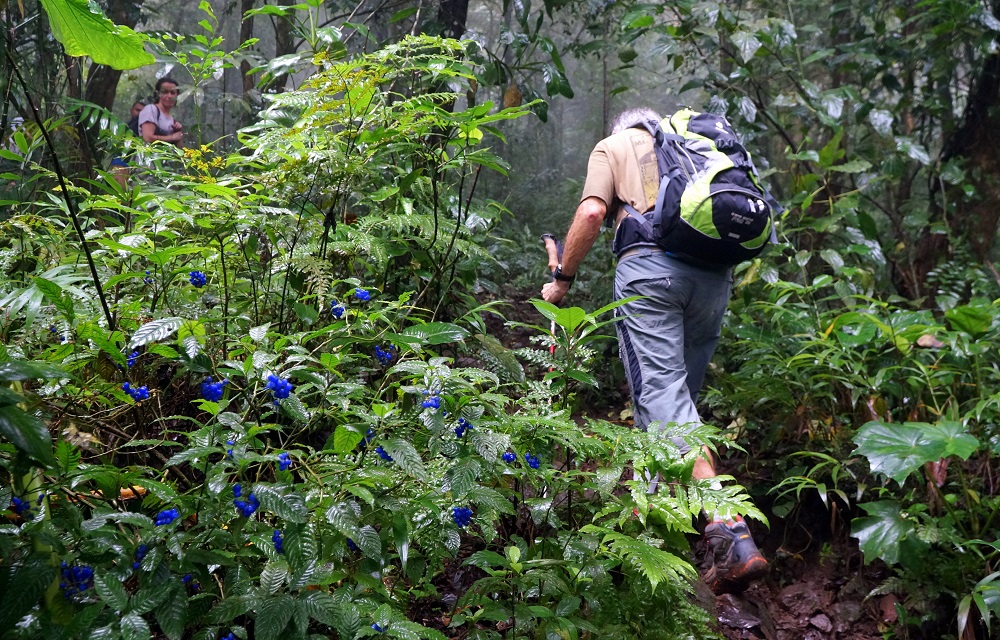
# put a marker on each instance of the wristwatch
(559, 275)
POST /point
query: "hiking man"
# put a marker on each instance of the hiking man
(667, 337)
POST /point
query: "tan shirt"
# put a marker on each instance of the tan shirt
(622, 168)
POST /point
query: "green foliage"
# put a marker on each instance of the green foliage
(356, 454)
(83, 31)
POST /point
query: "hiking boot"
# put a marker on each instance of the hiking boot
(736, 561)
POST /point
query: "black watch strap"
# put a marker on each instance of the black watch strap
(559, 275)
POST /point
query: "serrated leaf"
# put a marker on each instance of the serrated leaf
(369, 541)
(491, 499)
(435, 333)
(346, 438)
(134, 627)
(405, 455)
(111, 591)
(344, 519)
(229, 608)
(22, 587)
(274, 575)
(880, 534)
(260, 332)
(155, 331)
(462, 476)
(747, 44)
(273, 616)
(172, 615)
(282, 502)
(149, 597)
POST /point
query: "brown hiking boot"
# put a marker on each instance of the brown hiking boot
(736, 561)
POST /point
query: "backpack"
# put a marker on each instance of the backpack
(711, 206)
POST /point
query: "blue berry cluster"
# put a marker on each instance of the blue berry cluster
(141, 393)
(382, 453)
(198, 279)
(284, 461)
(21, 508)
(353, 546)
(432, 401)
(229, 636)
(386, 355)
(509, 457)
(337, 309)
(193, 585)
(377, 627)
(166, 517)
(76, 579)
(362, 295)
(279, 543)
(463, 426)
(148, 279)
(132, 357)
(246, 507)
(461, 515)
(280, 387)
(532, 461)
(212, 391)
(140, 553)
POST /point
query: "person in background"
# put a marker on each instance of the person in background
(155, 121)
(667, 336)
(133, 121)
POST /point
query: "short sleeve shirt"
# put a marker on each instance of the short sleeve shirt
(623, 168)
(151, 113)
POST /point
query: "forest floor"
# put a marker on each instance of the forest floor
(817, 584)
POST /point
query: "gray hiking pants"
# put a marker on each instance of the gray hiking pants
(667, 338)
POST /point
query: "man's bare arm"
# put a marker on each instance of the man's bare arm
(579, 239)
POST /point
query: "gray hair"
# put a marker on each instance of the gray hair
(632, 117)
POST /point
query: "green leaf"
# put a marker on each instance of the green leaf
(22, 587)
(172, 615)
(345, 439)
(405, 455)
(60, 299)
(274, 575)
(84, 32)
(434, 333)
(111, 591)
(13, 370)
(273, 616)
(27, 433)
(880, 534)
(973, 320)
(282, 502)
(155, 331)
(134, 627)
(150, 597)
(899, 449)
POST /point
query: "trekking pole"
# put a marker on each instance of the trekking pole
(554, 248)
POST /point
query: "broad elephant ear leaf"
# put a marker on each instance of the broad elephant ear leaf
(899, 449)
(84, 32)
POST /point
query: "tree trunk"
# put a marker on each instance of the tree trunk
(452, 15)
(246, 32)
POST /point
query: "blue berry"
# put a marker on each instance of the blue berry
(166, 516)
(132, 357)
(198, 279)
(246, 507)
(212, 391)
(229, 451)
(76, 579)
(148, 279)
(384, 356)
(382, 454)
(532, 461)
(284, 461)
(461, 515)
(142, 393)
(237, 490)
(362, 295)
(280, 387)
(431, 402)
(509, 457)
(352, 545)
(377, 627)
(337, 309)
(463, 426)
(278, 541)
